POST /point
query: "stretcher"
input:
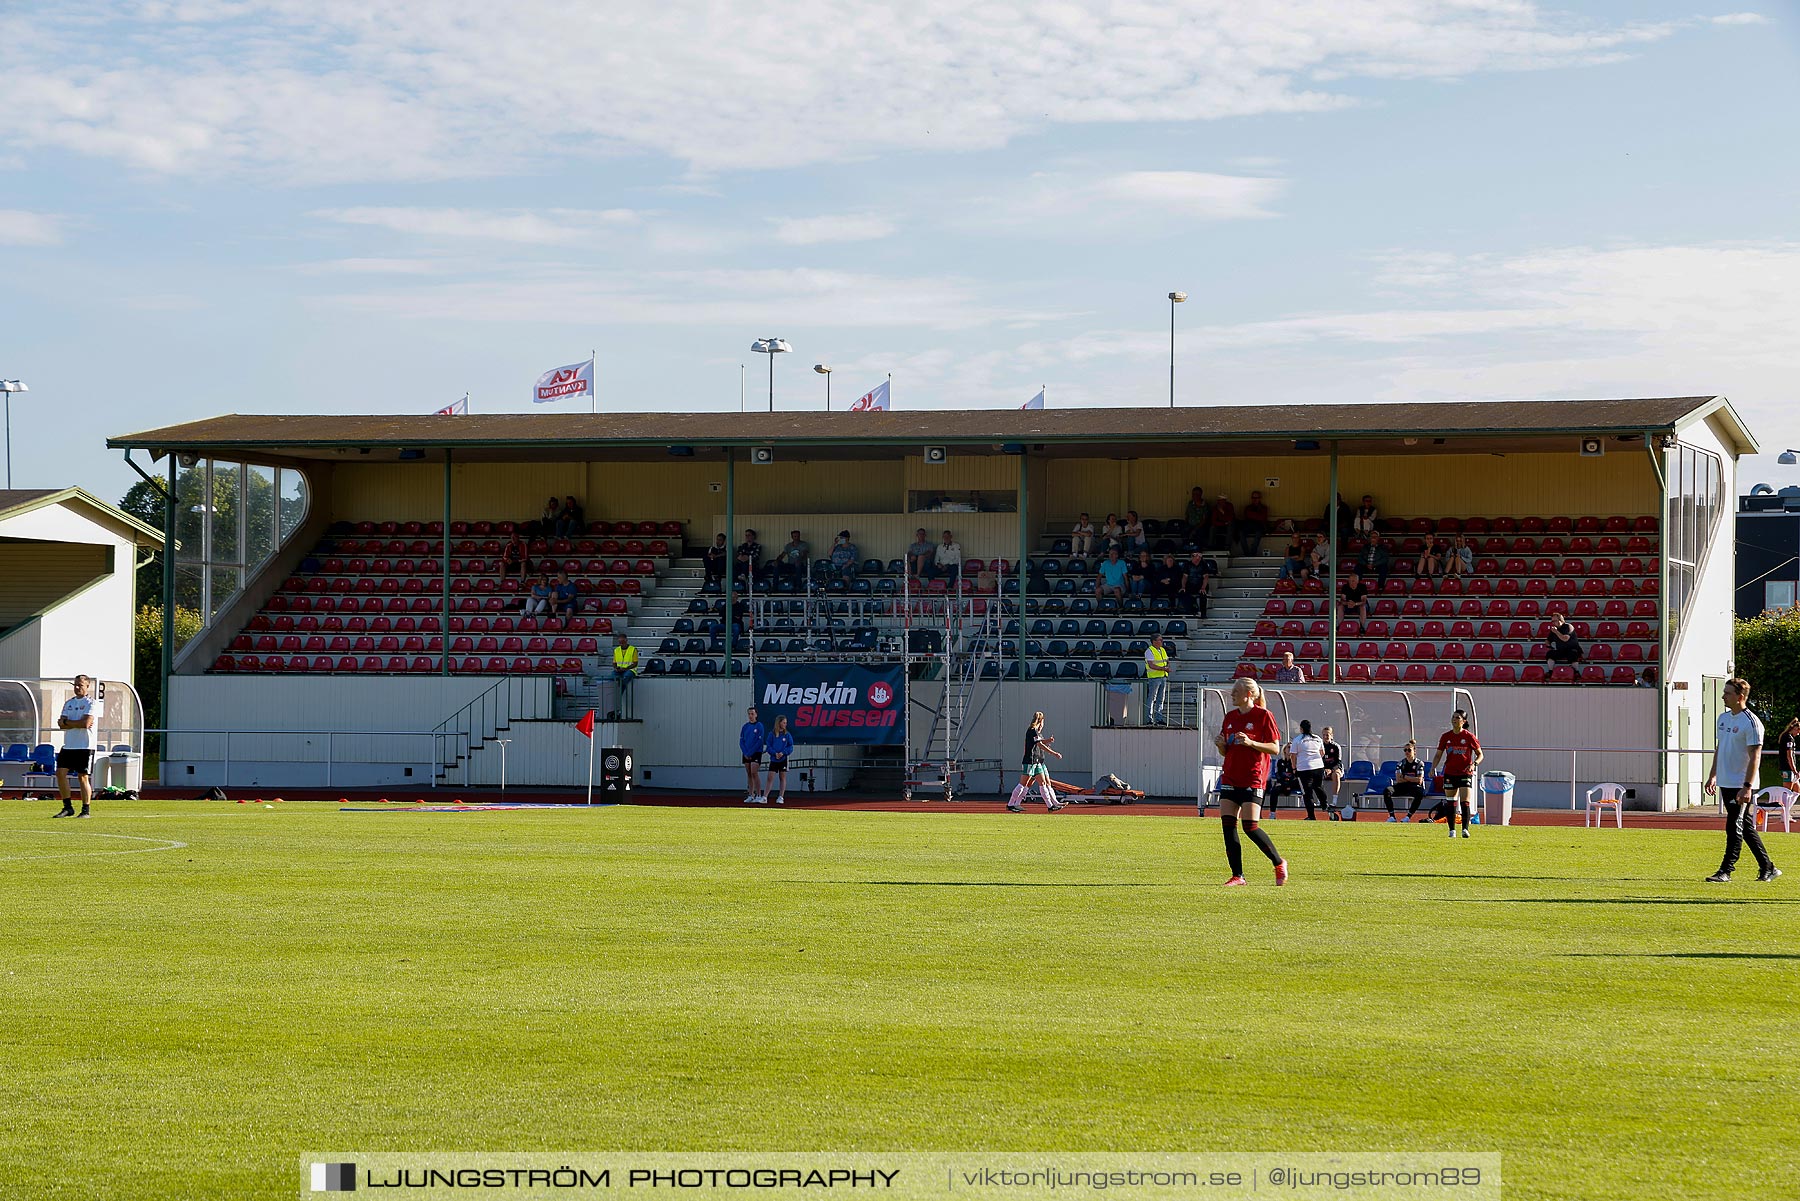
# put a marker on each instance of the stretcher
(1111, 796)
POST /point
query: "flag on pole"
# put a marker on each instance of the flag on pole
(872, 401)
(1036, 402)
(565, 383)
(586, 724)
(458, 409)
(586, 727)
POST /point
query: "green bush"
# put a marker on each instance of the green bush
(147, 635)
(1768, 655)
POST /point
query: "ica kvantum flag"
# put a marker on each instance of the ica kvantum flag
(1036, 402)
(870, 402)
(565, 383)
(458, 408)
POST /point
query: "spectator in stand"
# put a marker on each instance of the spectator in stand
(1135, 541)
(716, 556)
(512, 558)
(1252, 525)
(1647, 679)
(1141, 572)
(1345, 516)
(791, 562)
(1317, 557)
(946, 559)
(1461, 559)
(1197, 584)
(1293, 557)
(546, 526)
(1081, 538)
(1560, 644)
(1167, 579)
(920, 554)
(844, 560)
(537, 604)
(1113, 573)
(1112, 535)
(749, 556)
(741, 620)
(565, 600)
(1356, 597)
(625, 664)
(1289, 672)
(571, 521)
(1362, 521)
(1223, 521)
(1376, 561)
(1431, 559)
(1198, 513)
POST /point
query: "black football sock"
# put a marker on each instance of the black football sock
(1234, 850)
(1263, 842)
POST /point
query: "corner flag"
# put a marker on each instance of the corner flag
(586, 724)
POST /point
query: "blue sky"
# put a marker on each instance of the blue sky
(315, 206)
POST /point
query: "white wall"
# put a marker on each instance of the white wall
(92, 631)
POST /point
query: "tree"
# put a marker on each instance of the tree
(147, 636)
(1768, 655)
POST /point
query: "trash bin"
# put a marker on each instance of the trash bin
(1118, 701)
(1497, 797)
(616, 772)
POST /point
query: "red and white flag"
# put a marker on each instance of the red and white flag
(872, 401)
(565, 383)
(1036, 402)
(458, 409)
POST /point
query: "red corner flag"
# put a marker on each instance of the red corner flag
(586, 725)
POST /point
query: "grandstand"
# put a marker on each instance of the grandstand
(382, 607)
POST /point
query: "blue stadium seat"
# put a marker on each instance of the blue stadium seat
(1112, 648)
(1043, 627)
(1078, 567)
(669, 646)
(1175, 627)
(16, 752)
(1012, 627)
(768, 646)
(1136, 648)
(1061, 546)
(1107, 604)
(1094, 628)
(990, 670)
(681, 667)
(862, 587)
(1123, 628)
(896, 566)
(886, 586)
(694, 646)
(1360, 769)
(655, 667)
(1064, 587)
(1044, 671)
(796, 646)
(1069, 627)
(1034, 649)
(707, 667)
(1081, 606)
(873, 567)
(1056, 605)
(683, 625)
(1012, 670)
(1057, 648)
(1084, 649)
(1074, 671)
(1127, 670)
(1149, 626)
(698, 606)
(1161, 604)
(739, 667)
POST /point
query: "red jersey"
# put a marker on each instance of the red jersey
(1460, 747)
(1244, 767)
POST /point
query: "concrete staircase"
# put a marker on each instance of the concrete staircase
(1211, 651)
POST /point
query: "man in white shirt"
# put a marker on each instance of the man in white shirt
(1737, 762)
(76, 758)
(946, 561)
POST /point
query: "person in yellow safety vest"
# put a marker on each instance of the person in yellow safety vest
(625, 661)
(1156, 683)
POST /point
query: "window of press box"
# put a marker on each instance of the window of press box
(963, 500)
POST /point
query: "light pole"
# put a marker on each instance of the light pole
(1786, 458)
(825, 371)
(771, 347)
(1175, 298)
(8, 387)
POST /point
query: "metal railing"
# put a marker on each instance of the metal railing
(331, 749)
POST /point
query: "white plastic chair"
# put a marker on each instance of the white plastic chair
(1600, 798)
(1772, 802)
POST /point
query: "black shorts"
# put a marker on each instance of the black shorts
(1402, 788)
(777, 762)
(1458, 782)
(756, 758)
(75, 762)
(1241, 796)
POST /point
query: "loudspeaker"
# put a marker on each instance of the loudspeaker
(936, 455)
(1593, 446)
(762, 455)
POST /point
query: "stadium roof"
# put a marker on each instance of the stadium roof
(1518, 424)
(14, 501)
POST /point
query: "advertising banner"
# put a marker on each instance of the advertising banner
(855, 703)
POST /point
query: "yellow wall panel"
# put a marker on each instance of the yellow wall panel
(963, 471)
(826, 486)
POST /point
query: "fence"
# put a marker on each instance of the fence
(310, 758)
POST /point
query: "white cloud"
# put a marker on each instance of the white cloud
(1741, 19)
(848, 227)
(1075, 203)
(556, 226)
(370, 266)
(325, 90)
(21, 228)
(1195, 194)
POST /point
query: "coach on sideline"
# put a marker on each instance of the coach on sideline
(1737, 761)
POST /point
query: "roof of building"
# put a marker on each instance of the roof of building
(14, 501)
(305, 436)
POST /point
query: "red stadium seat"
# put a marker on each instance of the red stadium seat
(1599, 652)
(1453, 650)
(1474, 673)
(1503, 674)
(1623, 675)
(1640, 631)
(1416, 673)
(1256, 650)
(1608, 631)
(1631, 652)
(1592, 673)
(1433, 629)
(1462, 630)
(1482, 650)
(1355, 673)
(1424, 651)
(1562, 673)
(1396, 651)
(1266, 629)
(1503, 525)
(1244, 671)
(1275, 607)
(1387, 673)
(1637, 544)
(1512, 650)
(1311, 650)
(1533, 673)
(1490, 630)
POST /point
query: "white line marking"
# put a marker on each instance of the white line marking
(165, 844)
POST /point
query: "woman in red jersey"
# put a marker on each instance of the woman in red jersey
(1249, 738)
(1460, 752)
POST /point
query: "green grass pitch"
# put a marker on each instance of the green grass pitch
(185, 1022)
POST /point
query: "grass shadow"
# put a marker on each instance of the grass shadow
(1678, 955)
(978, 884)
(1628, 901)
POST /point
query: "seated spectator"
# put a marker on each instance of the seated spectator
(1113, 572)
(1460, 560)
(749, 556)
(1562, 646)
(1140, 573)
(1362, 521)
(1356, 597)
(1293, 557)
(844, 561)
(1197, 584)
(791, 562)
(571, 521)
(716, 556)
(1409, 782)
(1167, 579)
(512, 558)
(920, 554)
(1198, 513)
(565, 599)
(946, 559)
(1112, 534)
(1252, 525)
(1432, 559)
(1289, 672)
(1647, 679)
(546, 526)
(1222, 522)
(537, 602)
(1376, 561)
(741, 618)
(1081, 538)
(1317, 557)
(1345, 516)
(1135, 541)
